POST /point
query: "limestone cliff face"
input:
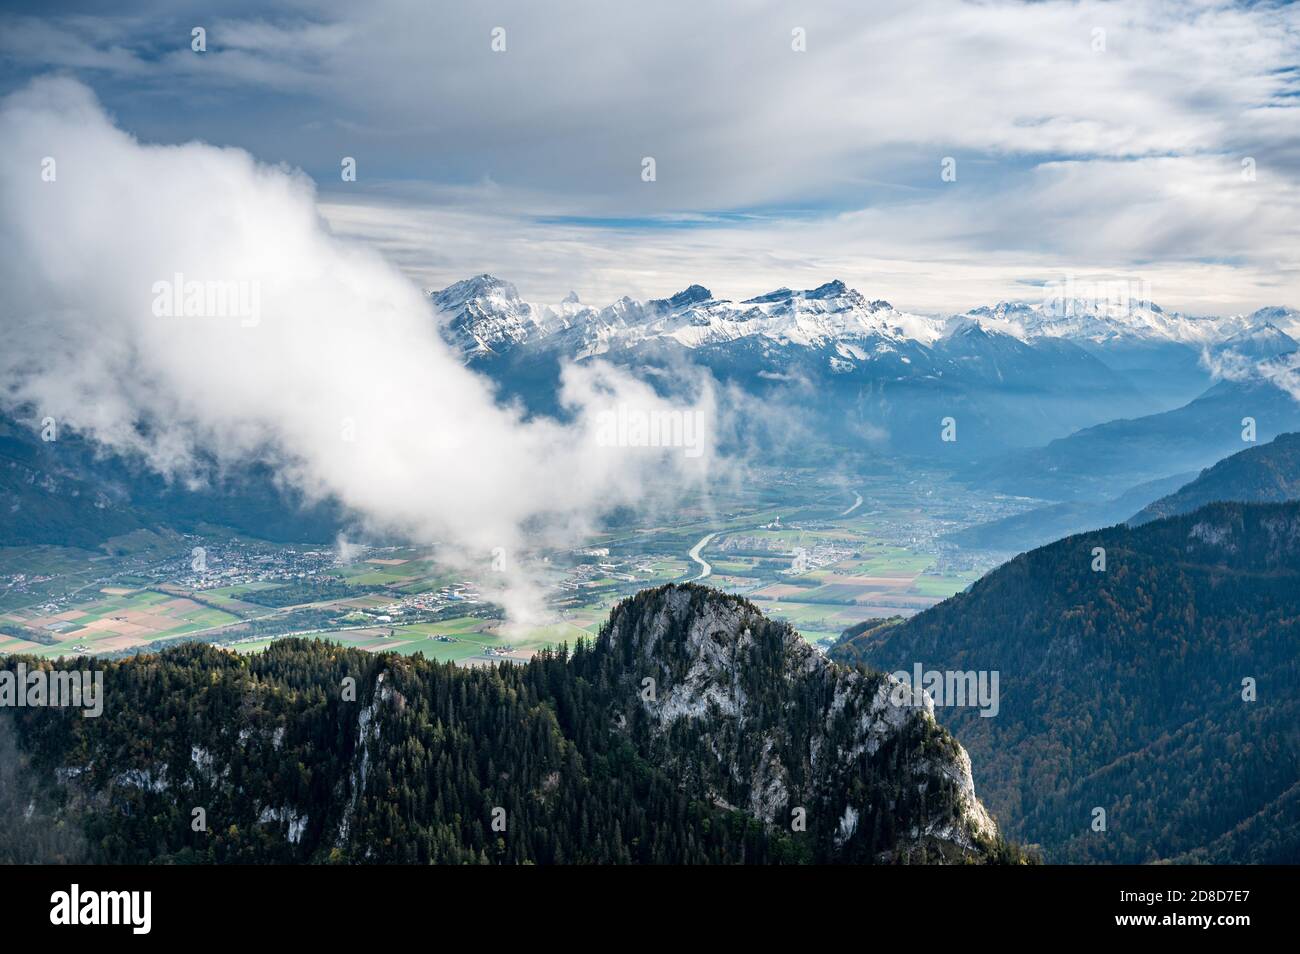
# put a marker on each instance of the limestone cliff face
(749, 715)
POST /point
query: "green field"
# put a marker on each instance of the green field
(942, 586)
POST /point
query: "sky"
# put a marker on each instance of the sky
(793, 142)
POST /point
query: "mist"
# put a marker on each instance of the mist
(1282, 371)
(181, 302)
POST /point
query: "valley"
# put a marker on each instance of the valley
(821, 552)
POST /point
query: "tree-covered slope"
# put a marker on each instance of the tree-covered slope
(1127, 689)
(1098, 462)
(1042, 525)
(1268, 473)
(71, 491)
(746, 746)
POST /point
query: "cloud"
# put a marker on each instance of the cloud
(169, 300)
(1282, 371)
(1204, 240)
(735, 117)
(1087, 135)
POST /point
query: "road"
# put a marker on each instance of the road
(856, 504)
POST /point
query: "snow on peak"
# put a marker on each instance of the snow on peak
(1286, 320)
(1103, 321)
(832, 289)
(691, 295)
(485, 315)
(1262, 341)
(480, 287)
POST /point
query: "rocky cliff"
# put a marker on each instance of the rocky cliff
(743, 711)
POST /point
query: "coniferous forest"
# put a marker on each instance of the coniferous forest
(1163, 689)
(203, 755)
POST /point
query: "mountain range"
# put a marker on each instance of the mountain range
(1105, 460)
(1158, 687)
(1043, 398)
(859, 372)
(486, 316)
(1047, 401)
(1264, 473)
(1269, 473)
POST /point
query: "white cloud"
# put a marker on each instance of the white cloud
(1204, 240)
(1282, 371)
(339, 379)
(1070, 157)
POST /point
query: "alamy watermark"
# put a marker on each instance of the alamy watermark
(178, 298)
(1073, 296)
(977, 689)
(73, 907)
(82, 689)
(626, 426)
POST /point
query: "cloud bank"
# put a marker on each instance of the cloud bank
(1088, 136)
(1282, 371)
(168, 300)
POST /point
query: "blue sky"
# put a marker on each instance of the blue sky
(1089, 138)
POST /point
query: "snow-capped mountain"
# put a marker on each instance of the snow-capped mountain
(1286, 320)
(816, 318)
(1261, 341)
(485, 316)
(853, 368)
(1106, 322)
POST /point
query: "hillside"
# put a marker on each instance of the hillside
(1094, 463)
(45, 501)
(1041, 525)
(743, 726)
(1123, 689)
(1269, 473)
(72, 492)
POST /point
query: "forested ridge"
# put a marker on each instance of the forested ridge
(418, 765)
(1265, 473)
(1164, 689)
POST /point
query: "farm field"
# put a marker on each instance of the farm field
(117, 622)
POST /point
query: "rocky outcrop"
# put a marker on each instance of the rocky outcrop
(748, 714)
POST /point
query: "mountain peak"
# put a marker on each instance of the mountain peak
(455, 296)
(1265, 330)
(832, 289)
(969, 327)
(1274, 313)
(1265, 340)
(781, 294)
(813, 733)
(691, 295)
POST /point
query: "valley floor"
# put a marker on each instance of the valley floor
(821, 552)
